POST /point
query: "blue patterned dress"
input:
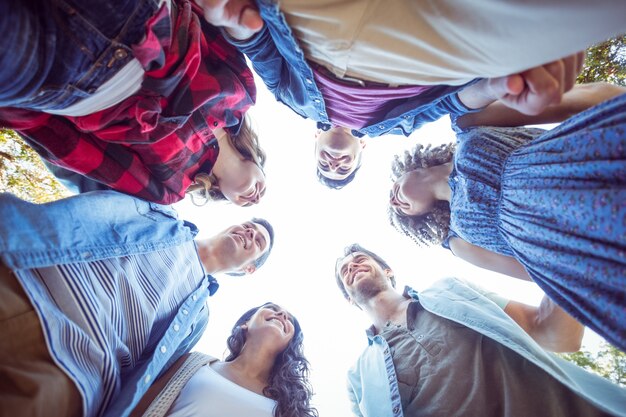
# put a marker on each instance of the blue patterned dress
(556, 201)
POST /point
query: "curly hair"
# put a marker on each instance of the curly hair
(430, 228)
(246, 142)
(288, 383)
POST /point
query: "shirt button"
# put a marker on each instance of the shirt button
(185, 311)
(194, 297)
(215, 124)
(317, 100)
(163, 349)
(420, 337)
(147, 379)
(308, 80)
(176, 327)
(396, 409)
(120, 53)
(381, 127)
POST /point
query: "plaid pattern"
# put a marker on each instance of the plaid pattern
(153, 143)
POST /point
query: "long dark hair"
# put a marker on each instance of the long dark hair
(288, 384)
(430, 228)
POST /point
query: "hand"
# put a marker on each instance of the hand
(240, 18)
(531, 91)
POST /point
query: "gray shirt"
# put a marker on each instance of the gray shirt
(447, 369)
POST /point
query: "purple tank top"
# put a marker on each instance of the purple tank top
(357, 106)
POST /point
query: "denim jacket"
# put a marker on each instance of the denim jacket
(281, 64)
(372, 382)
(92, 227)
(45, 65)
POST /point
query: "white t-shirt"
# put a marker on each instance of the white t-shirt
(208, 394)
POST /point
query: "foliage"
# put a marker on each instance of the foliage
(606, 62)
(608, 362)
(22, 173)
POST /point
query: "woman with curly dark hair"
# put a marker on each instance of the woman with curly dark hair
(264, 375)
(547, 206)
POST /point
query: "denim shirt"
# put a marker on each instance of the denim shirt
(98, 226)
(44, 64)
(281, 64)
(372, 382)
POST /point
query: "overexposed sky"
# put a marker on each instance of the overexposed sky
(312, 225)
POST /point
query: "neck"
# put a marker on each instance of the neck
(227, 155)
(387, 306)
(440, 186)
(213, 264)
(251, 369)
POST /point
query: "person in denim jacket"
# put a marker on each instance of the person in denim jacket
(456, 350)
(354, 67)
(100, 294)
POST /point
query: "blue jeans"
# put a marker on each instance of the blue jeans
(56, 52)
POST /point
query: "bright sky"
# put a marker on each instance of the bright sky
(313, 224)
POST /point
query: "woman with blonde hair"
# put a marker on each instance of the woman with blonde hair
(150, 100)
(533, 204)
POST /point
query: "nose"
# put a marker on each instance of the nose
(250, 233)
(333, 164)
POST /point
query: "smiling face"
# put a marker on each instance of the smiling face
(338, 153)
(362, 277)
(273, 325)
(410, 195)
(240, 245)
(244, 185)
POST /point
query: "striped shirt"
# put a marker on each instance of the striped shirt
(113, 325)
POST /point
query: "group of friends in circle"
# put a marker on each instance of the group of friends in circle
(135, 104)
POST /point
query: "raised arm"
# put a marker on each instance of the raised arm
(580, 98)
(270, 60)
(530, 91)
(486, 259)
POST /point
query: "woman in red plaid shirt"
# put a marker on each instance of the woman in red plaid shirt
(142, 96)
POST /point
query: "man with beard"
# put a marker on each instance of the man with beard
(454, 350)
(101, 293)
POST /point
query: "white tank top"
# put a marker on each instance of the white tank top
(208, 394)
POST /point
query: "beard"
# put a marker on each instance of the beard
(367, 289)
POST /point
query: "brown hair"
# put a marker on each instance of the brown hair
(430, 228)
(246, 142)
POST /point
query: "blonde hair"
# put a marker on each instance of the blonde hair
(246, 142)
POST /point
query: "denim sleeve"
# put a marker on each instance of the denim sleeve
(449, 105)
(281, 78)
(27, 40)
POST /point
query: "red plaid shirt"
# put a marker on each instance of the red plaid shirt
(153, 143)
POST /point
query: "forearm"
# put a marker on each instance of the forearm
(548, 324)
(580, 98)
(266, 60)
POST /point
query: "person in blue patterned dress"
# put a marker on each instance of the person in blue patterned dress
(533, 204)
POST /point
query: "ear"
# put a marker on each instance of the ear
(244, 326)
(388, 273)
(362, 143)
(249, 269)
(318, 132)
